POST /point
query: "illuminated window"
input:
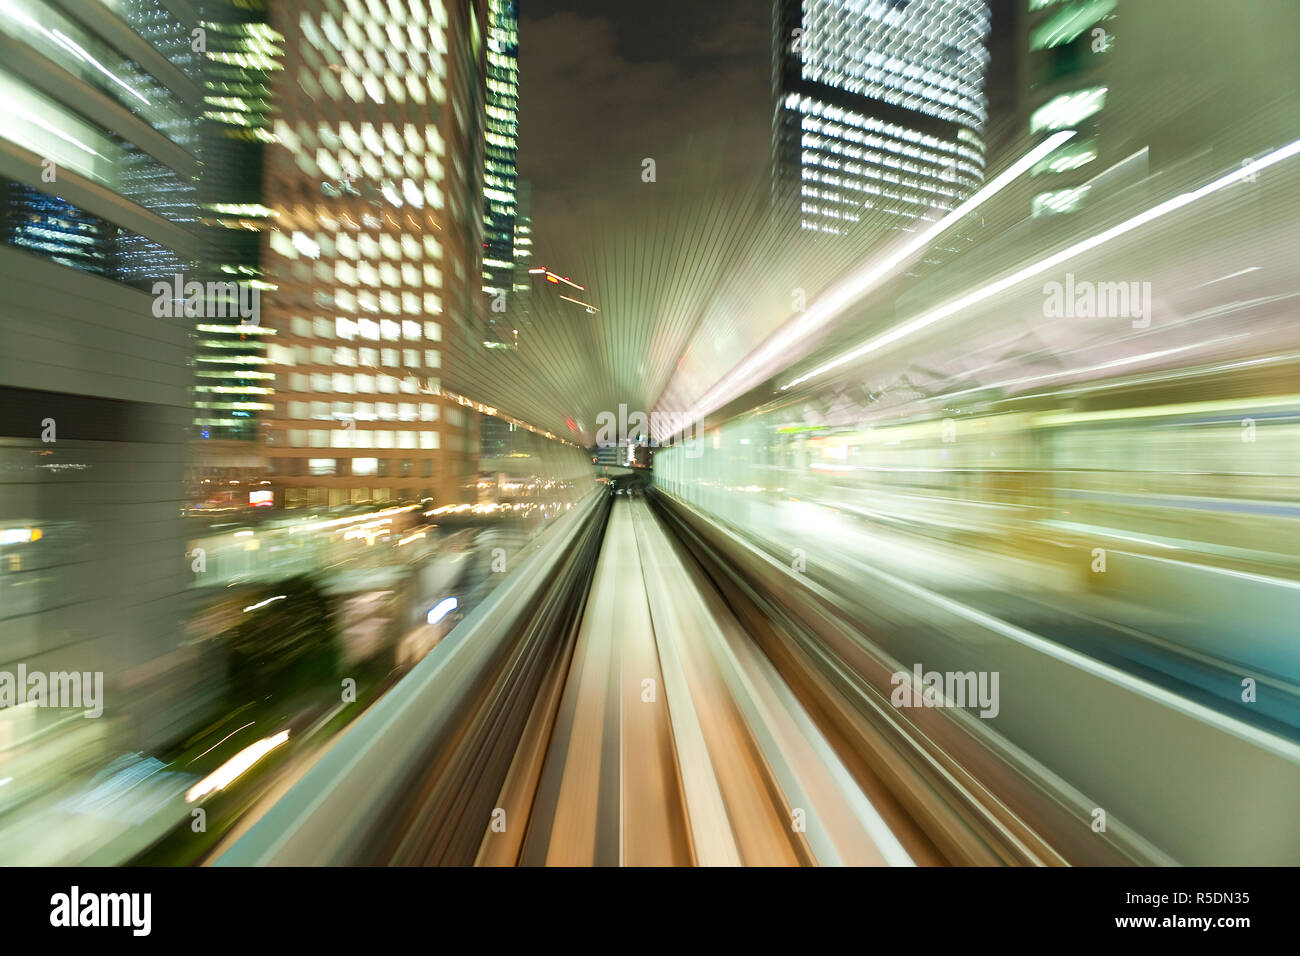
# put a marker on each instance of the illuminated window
(1058, 201)
(1068, 110)
(1071, 156)
(1064, 27)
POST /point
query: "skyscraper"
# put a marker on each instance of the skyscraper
(1142, 85)
(1067, 48)
(241, 53)
(375, 180)
(232, 384)
(879, 109)
(523, 247)
(98, 162)
(500, 178)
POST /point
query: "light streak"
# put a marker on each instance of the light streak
(1158, 211)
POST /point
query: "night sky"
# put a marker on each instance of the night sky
(604, 85)
(680, 293)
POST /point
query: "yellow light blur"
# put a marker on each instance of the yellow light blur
(233, 768)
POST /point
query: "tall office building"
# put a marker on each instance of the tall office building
(1068, 52)
(505, 328)
(500, 178)
(523, 244)
(98, 164)
(879, 109)
(1142, 85)
(375, 255)
(241, 54)
(232, 384)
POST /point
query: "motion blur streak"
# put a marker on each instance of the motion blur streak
(903, 470)
(1248, 170)
(229, 771)
(1085, 521)
(731, 733)
(830, 306)
(1101, 509)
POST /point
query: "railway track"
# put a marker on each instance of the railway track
(675, 741)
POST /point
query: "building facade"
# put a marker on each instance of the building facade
(523, 246)
(500, 177)
(99, 159)
(500, 183)
(241, 55)
(879, 110)
(233, 387)
(1065, 75)
(1143, 85)
(374, 259)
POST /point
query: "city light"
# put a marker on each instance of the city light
(1156, 212)
(235, 767)
(442, 609)
(896, 465)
